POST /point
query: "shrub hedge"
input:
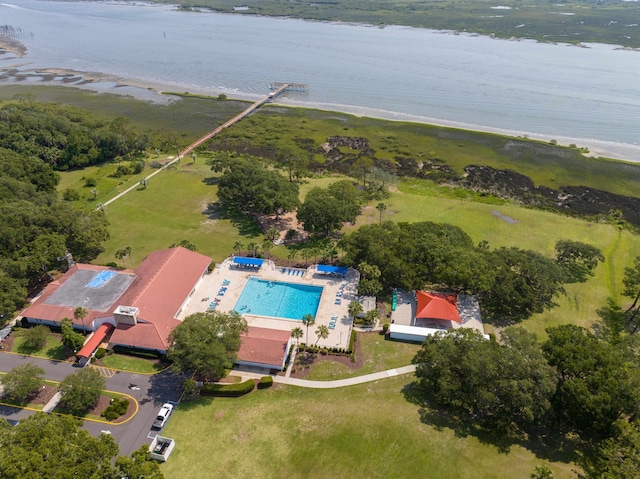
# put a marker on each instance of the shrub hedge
(101, 353)
(265, 382)
(142, 353)
(228, 390)
(117, 408)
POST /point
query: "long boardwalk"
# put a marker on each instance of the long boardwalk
(281, 87)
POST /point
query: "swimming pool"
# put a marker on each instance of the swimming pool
(278, 299)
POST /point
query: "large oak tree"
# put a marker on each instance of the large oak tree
(56, 447)
(206, 343)
(248, 187)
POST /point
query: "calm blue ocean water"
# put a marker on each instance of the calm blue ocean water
(588, 96)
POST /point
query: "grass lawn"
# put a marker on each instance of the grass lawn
(52, 350)
(107, 186)
(369, 430)
(170, 209)
(533, 229)
(131, 363)
(378, 355)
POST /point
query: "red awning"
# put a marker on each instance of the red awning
(437, 306)
(95, 340)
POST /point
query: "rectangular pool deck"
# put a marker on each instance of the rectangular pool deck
(222, 288)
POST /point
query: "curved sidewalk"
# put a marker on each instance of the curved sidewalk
(338, 383)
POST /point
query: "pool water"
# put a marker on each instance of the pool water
(278, 299)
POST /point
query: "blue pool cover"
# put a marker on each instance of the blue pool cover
(248, 261)
(101, 278)
(325, 268)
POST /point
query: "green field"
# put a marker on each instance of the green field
(172, 208)
(53, 349)
(131, 363)
(369, 430)
(378, 354)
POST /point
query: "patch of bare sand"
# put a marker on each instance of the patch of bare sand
(283, 224)
(12, 46)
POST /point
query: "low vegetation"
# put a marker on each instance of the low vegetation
(228, 390)
(572, 22)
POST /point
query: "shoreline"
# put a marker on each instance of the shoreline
(158, 93)
(9, 45)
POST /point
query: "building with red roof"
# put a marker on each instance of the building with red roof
(432, 313)
(263, 347)
(141, 305)
(436, 307)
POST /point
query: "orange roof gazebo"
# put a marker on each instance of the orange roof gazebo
(437, 306)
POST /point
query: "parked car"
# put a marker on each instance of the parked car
(163, 416)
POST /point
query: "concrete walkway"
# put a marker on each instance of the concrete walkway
(337, 383)
(53, 402)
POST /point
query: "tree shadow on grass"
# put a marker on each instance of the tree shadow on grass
(28, 350)
(246, 224)
(552, 447)
(59, 353)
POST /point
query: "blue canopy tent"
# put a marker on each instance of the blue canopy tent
(248, 262)
(337, 270)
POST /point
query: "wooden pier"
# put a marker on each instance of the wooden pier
(277, 88)
(293, 87)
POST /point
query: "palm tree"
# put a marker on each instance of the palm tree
(308, 320)
(80, 313)
(238, 245)
(306, 254)
(371, 317)
(355, 308)
(253, 247)
(381, 207)
(267, 244)
(296, 333)
(272, 234)
(292, 254)
(126, 251)
(322, 332)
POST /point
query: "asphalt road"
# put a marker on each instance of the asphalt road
(150, 391)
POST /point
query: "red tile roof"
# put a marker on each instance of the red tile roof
(437, 306)
(163, 282)
(265, 346)
(94, 341)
